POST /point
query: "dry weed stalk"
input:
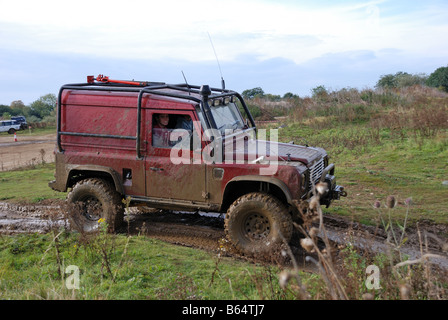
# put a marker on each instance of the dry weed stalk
(424, 258)
(404, 276)
(311, 212)
(400, 278)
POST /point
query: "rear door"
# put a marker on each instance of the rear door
(170, 171)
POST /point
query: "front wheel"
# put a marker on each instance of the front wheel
(91, 200)
(258, 223)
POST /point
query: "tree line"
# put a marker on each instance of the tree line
(437, 79)
(41, 110)
(44, 108)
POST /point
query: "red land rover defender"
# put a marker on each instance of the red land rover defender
(182, 147)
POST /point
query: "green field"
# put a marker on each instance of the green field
(392, 166)
(382, 143)
(28, 185)
(121, 267)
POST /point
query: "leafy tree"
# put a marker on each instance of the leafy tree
(386, 81)
(6, 116)
(4, 109)
(439, 78)
(290, 95)
(319, 92)
(18, 105)
(411, 80)
(400, 80)
(252, 93)
(43, 106)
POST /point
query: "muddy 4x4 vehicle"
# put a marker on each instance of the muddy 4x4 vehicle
(186, 148)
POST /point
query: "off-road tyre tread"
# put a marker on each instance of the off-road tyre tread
(278, 214)
(110, 198)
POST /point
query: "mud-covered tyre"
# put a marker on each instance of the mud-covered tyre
(91, 200)
(257, 223)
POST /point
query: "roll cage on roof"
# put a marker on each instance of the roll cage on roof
(199, 94)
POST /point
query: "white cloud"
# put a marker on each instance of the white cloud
(178, 29)
(280, 45)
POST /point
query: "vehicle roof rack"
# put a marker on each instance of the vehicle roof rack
(181, 91)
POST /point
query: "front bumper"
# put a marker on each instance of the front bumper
(334, 191)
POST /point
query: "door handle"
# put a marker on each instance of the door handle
(156, 169)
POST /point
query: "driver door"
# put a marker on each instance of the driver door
(165, 177)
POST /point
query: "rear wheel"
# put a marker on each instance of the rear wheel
(258, 223)
(91, 200)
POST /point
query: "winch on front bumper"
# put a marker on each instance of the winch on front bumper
(327, 187)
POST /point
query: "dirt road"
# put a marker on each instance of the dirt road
(206, 231)
(27, 150)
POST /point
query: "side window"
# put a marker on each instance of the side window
(170, 129)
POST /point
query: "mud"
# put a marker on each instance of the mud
(425, 237)
(205, 231)
(29, 218)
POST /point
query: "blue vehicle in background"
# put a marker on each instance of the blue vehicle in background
(21, 120)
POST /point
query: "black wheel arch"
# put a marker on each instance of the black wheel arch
(241, 185)
(81, 172)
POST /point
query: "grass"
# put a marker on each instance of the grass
(371, 170)
(28, 185)
(33, 267)
(398, 168)
(382, 143)
(123, 267)
(32, 132)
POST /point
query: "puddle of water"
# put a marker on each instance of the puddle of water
(29, 225)
(378, 246)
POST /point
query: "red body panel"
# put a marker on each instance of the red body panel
(154, 175)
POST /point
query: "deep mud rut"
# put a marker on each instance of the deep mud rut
(206, 231)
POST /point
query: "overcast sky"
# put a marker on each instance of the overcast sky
(278, 45)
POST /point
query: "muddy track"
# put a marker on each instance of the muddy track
(27, 150)
(206, 231)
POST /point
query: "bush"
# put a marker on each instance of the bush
(319, 92)
(439, 79)
(400, 80)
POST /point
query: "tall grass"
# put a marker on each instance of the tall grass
(357, 269)
(418, 111)
(382, 141)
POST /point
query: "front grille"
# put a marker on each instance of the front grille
(316, 172)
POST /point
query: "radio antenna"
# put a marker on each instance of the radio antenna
(186, 82)
(223, 84)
